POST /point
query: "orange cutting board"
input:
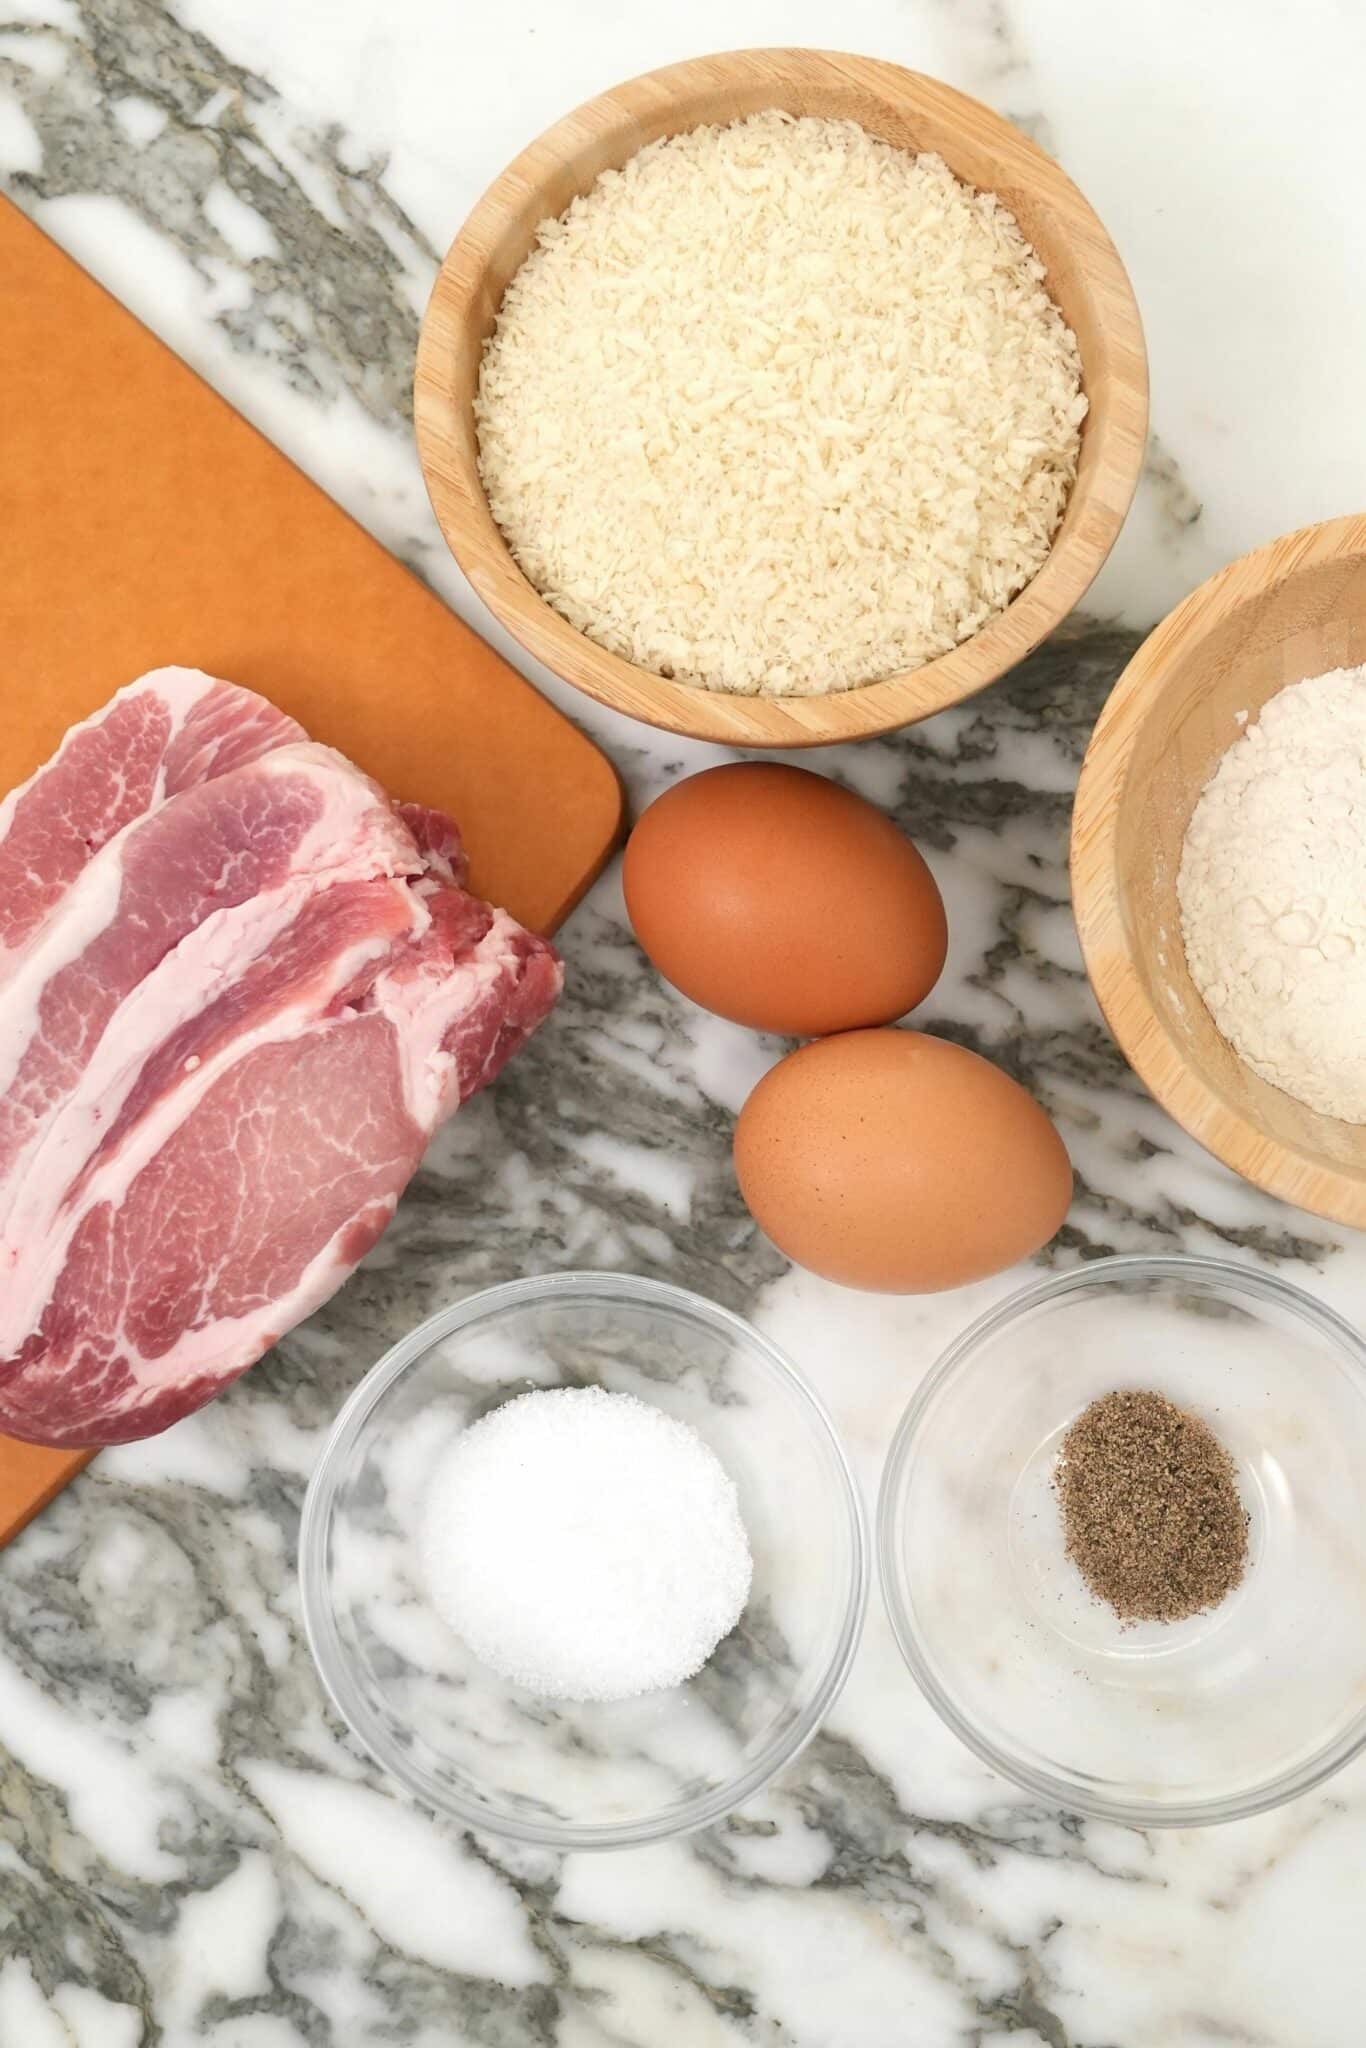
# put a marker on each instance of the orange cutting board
(143, 522)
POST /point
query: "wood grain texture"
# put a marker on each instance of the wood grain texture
(31, 1476)
(917, 113)
(1290, 610)
(143, 521)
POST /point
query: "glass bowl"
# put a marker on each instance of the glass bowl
(1208, 1719)
(591, 1775)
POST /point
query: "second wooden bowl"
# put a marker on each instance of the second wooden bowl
(1294, 609)
(1085, 276)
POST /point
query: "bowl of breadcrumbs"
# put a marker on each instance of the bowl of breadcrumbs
(781, 397)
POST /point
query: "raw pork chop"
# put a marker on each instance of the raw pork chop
(172, 730)
(237, 996)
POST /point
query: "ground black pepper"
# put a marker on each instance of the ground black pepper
(1150, 1507)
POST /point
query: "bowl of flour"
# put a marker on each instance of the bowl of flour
(1219, 866)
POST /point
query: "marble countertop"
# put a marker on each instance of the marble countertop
(191, 1848)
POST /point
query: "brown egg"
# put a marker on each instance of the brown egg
(898, 1162)
(778, 899)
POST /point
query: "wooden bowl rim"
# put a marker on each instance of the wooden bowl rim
(769, 721)
(1298, 1177)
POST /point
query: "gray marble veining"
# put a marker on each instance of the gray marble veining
(145, 110)
(192, 1850)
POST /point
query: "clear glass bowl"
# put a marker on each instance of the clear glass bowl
(1209, 1719)
(490, 1754)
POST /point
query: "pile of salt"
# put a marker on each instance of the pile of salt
(586, 1545)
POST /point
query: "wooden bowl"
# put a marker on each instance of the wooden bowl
(1293, 609)
(1085, 276)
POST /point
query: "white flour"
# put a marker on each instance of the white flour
(1273, 893)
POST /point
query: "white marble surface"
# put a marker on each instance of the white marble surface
(191, 1849)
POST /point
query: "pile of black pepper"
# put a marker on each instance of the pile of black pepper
(1150, 1506)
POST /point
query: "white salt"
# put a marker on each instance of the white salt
(586, 1545)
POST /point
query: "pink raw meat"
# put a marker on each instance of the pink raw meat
(300, 812)
(240, 1020)
(439, 839)
(265, 968)
(163, 734)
